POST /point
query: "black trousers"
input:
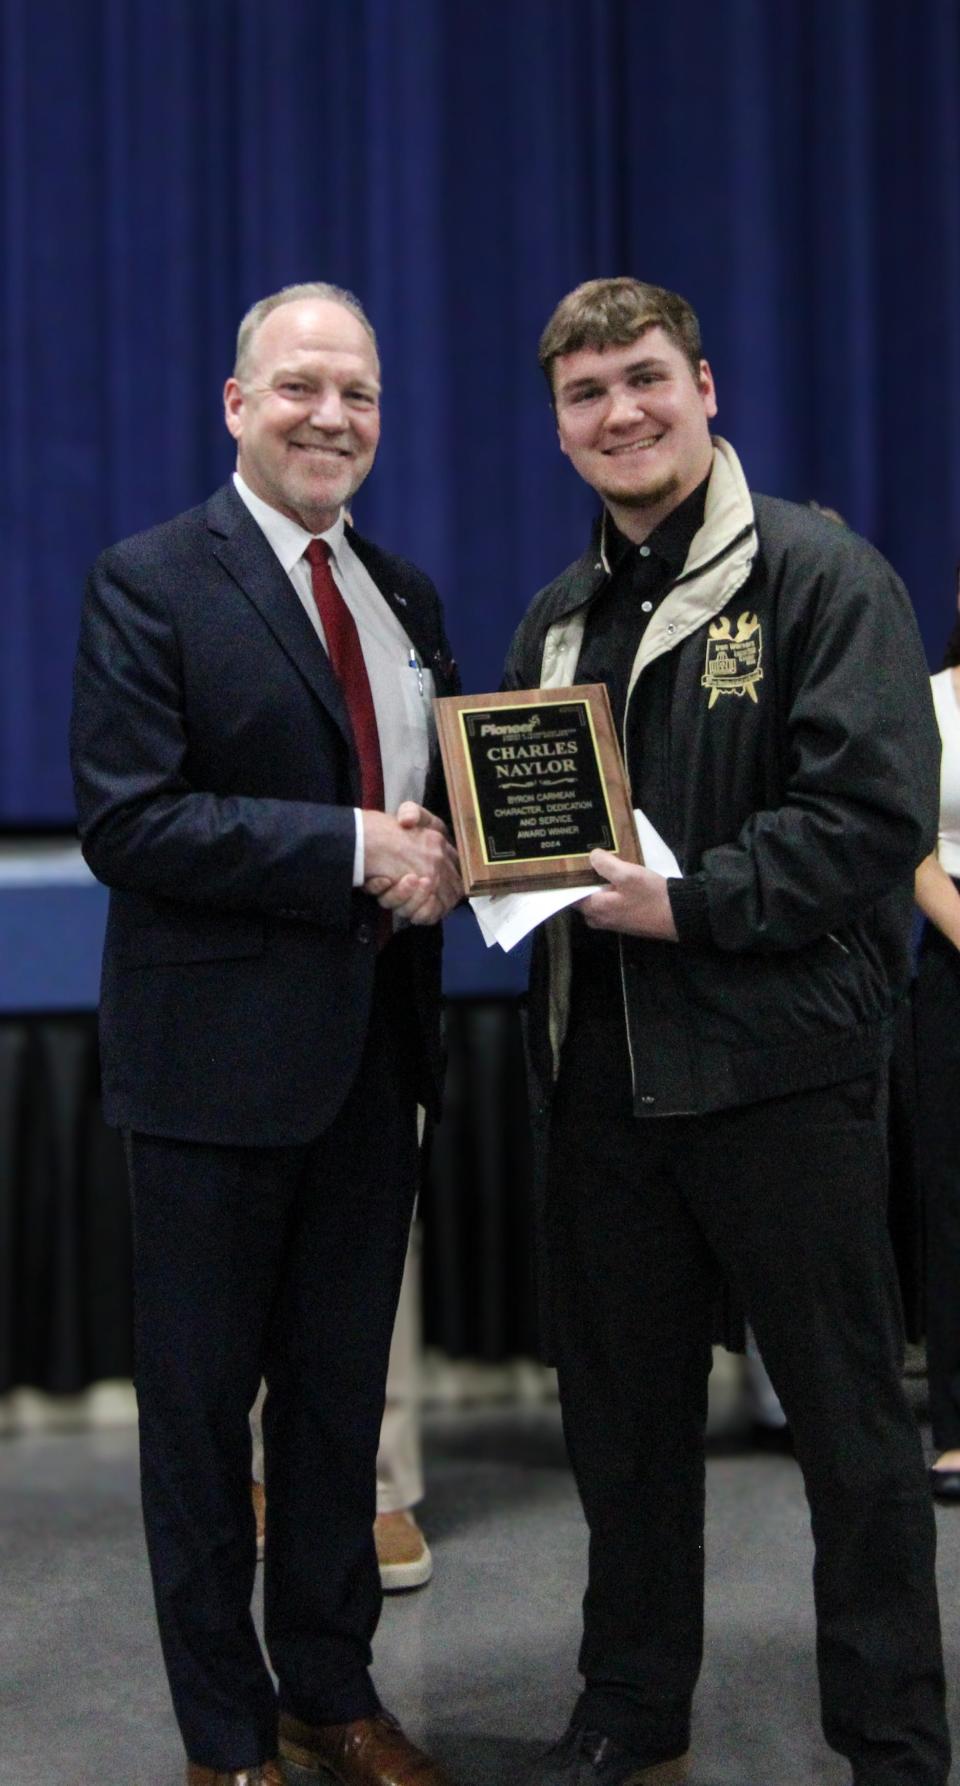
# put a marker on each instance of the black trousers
(284, 1262)
(787, 1200)
(937, 1019)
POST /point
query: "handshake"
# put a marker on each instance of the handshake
(410, 865)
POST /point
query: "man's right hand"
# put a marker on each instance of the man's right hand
(410, 865)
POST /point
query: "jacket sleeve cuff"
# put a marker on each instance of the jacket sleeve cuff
(688, 903)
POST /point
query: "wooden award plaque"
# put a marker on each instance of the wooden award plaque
(536, 781)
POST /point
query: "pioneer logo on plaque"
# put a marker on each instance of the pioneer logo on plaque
(536, 782)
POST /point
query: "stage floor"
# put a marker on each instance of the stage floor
(480, 1666)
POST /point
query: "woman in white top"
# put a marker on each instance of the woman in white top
(937, 1009)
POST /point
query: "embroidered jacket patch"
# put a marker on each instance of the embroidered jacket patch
(733, 664)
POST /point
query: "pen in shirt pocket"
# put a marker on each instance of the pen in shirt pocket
(413, 663)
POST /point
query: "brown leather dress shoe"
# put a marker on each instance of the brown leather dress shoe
(368, 1752)
(268, 1774)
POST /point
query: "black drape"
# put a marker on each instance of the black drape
(65, 1300)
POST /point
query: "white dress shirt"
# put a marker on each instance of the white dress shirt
(402, 689)
(948, 719)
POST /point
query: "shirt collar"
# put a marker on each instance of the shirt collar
(671, 541)
(288, 539)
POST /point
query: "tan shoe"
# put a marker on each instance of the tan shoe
(402, 1552)
(258, 1496)
(368, 1752)
(267, 1775)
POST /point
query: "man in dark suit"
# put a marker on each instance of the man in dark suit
(252, 708)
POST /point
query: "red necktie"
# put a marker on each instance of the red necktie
(346, 657)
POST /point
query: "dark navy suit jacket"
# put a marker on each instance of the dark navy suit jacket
(216, 777)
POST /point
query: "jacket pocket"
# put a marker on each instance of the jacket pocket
(213, 938)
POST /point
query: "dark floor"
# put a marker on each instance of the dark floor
(480, 1666)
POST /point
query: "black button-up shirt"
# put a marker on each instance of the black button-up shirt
(640, 577)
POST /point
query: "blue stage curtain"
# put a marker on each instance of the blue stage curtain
(793, 166)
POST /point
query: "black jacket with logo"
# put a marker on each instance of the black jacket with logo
(779, 733)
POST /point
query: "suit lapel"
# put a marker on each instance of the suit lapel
(415, 608)
(249, 561)
(242, 549)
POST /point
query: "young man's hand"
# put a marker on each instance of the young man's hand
(635, 900)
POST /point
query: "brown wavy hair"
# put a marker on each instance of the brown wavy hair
(612, 313)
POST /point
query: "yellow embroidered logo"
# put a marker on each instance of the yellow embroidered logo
(733, 659)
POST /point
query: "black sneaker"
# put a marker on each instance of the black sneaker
(585, 1757)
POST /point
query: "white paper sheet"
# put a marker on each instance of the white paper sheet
(506, 918)
(656, 854)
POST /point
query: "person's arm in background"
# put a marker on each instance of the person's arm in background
(938, 899)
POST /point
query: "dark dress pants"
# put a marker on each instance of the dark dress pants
(785, 1199)
(284, 1262)
(937, 1017)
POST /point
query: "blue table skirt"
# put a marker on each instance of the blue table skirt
(52, 917)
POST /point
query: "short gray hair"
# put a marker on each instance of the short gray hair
(292, 294)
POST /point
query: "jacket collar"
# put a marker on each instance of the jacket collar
(414, 602)
(727, 521)
(242, 549)
(718, 564)
(246, 555)
(728, 517)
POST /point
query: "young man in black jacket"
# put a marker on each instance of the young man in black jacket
(709, 1050)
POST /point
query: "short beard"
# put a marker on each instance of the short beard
(645, 499)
